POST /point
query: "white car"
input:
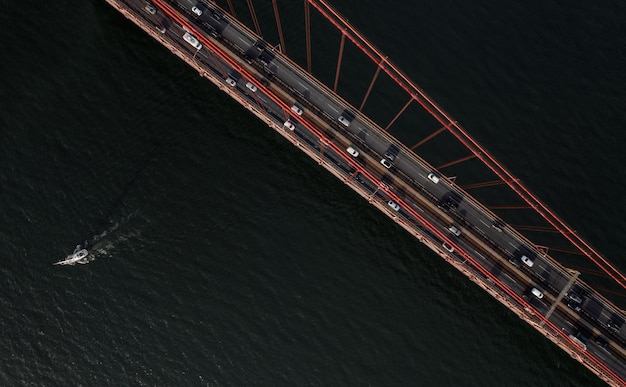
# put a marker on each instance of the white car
(448, 248)
(344, 120)
(393, 205)
(527, 261)
(161, 29)
(454, 230)
(352, 151)
(196, 10)
(150, 9)
(386, 163)
(537, 293)
(434, 178)
(289, 125)
(296, 110)
(250, 86)
(231, 81)
(189, 38)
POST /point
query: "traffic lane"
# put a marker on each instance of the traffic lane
(612, 357)
(309, 90)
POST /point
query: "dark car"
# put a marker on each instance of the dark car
(575, 297)
(613, 325)
(574, 305)
(602, 343)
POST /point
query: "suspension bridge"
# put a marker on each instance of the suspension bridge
(514, 246)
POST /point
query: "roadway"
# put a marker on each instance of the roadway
(442, 204)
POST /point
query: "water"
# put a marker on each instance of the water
(225, 257)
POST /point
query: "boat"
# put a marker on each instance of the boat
(77, 256)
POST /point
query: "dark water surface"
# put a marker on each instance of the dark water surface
(223, 256)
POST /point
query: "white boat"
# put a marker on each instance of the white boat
(77, 256)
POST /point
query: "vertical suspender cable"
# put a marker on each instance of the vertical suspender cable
(339, 58)
(369, 89)
(232, 9)
(399, 113)
(307, 31)
(280, 28)
(430, 136)
(254, 18)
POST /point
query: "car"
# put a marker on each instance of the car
(250, 86)
(527, 261)
(575, 297)
(231, 81)
(150, 9)
(344, 120)
(386, 163)
(161, 29)
(449, 248)
(289, 125)
(196, 10)
(574, 305)
(498, 226)
(434, 178)
(611, 324)
(454, 230)
(583, 337)
(537, 293)
(602, 343)
(514, 261)
(216, 15)
(296, 110)
(393, 205)
(392, 152)
(352, 151)
(189, 38)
